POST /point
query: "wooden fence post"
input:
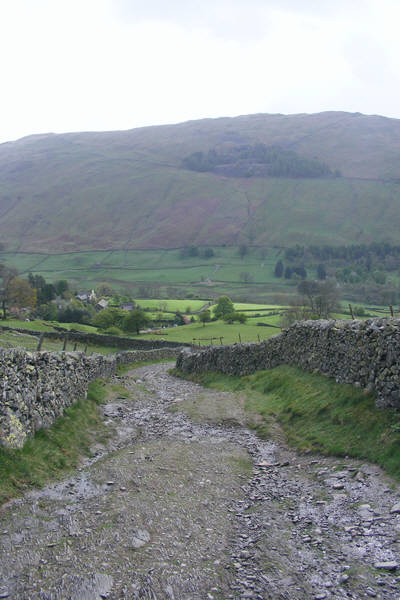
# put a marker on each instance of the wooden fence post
(39, 346)
(65, 342)
(351, 311)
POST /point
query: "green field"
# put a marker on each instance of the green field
(198, 335)
(168, 305)
(40, 325)
(163, 273)
(248, 307)
(146, 265)
(13, 339)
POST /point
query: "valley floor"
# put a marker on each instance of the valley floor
(179, 508)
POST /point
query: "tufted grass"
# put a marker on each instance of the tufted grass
(53, 451)
(317, 414)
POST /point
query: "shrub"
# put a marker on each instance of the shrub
(113, 330)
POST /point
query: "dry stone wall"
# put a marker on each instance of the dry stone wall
(113, 341)
(36, 387)
(363, 353)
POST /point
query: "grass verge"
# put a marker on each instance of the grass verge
(317, 414)
(55, 450)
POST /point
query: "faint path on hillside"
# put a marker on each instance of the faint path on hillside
(199, 508)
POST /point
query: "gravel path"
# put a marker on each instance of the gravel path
(186, 503)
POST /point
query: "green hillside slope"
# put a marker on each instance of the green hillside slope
(129, 190)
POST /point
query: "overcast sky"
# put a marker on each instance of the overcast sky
(82, 65)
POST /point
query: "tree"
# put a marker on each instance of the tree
(104, 289)
(224, 306)
(48, 312)
(61, 286)
(135, 321)
(36, 281)
(278, 269)
(288, 273)
(322, 297)
(76, 312)
(179, 320)
(321, 272)
(297, 311)
(205, 317)
(379, 277)
(109, 317)
(243, 249)
(7, 274)
(189, 251)
(46, 293)
(245, 276)
(20, 293)
(208, 253)
(235, 316)
(300, 271)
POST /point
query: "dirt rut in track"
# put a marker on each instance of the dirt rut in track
(186, 503)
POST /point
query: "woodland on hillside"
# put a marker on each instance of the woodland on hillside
(256, 160)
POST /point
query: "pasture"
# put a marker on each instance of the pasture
(163, 273)
(213, 332)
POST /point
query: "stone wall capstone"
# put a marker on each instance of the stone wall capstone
(36, 387)
(362, 353)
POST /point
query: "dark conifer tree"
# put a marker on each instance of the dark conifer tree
(279, 269)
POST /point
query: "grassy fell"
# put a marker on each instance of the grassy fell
(134, 182)
(317, 414)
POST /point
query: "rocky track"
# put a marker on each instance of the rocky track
(186, 503)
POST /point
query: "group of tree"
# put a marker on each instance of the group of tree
(350, 264)
(15, 291)
(290, 270)
(193, 251)
(48, 291)
(350, 253)
(257, 160)
(225, 310)
(314, 300)
(355, 267)
(113, 320)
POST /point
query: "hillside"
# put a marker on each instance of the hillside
(131, 190)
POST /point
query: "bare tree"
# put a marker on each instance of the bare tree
(322, 297)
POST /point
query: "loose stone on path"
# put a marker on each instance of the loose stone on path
(186, 503)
